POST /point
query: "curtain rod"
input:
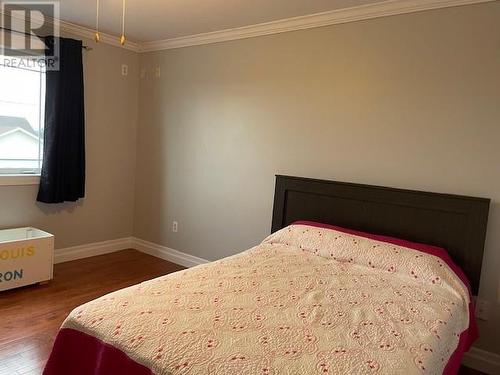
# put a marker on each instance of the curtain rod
(87, 48)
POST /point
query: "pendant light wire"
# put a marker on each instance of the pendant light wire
(97, 37)
(122, 38)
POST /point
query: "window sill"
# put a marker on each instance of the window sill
(19, 179)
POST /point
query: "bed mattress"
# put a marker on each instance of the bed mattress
(306, 300)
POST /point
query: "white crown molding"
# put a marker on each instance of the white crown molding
(334, 17)
(358, 13)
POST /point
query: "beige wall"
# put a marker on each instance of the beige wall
(111, 118)
(410, 101)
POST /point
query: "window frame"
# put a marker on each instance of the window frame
(19, 179)
(27, 176)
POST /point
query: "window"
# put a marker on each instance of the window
(22, 103)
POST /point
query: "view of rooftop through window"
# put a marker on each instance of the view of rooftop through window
(22, 95)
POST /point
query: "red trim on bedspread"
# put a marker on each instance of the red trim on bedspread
(468, 336)
(77, 353)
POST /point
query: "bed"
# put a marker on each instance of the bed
(343, 285)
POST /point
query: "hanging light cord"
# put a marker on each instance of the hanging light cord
(122, 39)
(97, 37)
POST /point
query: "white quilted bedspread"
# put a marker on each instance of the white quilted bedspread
(307, 300)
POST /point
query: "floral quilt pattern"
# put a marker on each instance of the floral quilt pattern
(306, 300)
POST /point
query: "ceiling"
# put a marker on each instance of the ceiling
(152, 20)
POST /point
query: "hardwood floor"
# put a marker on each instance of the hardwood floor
(31, 316)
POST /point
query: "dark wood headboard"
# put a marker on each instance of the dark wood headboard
(456, 223)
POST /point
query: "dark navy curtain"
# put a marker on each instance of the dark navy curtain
(63, 168)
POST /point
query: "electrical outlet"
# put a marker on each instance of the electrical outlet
(483, 309)
(158, 72)
(175, 226)
(124, 70)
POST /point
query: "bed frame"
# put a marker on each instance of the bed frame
(456, 223)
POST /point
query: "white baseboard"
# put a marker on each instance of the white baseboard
(92, 249)
(106, 247)
(167, 253)
(482, 360)
(475, 358)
